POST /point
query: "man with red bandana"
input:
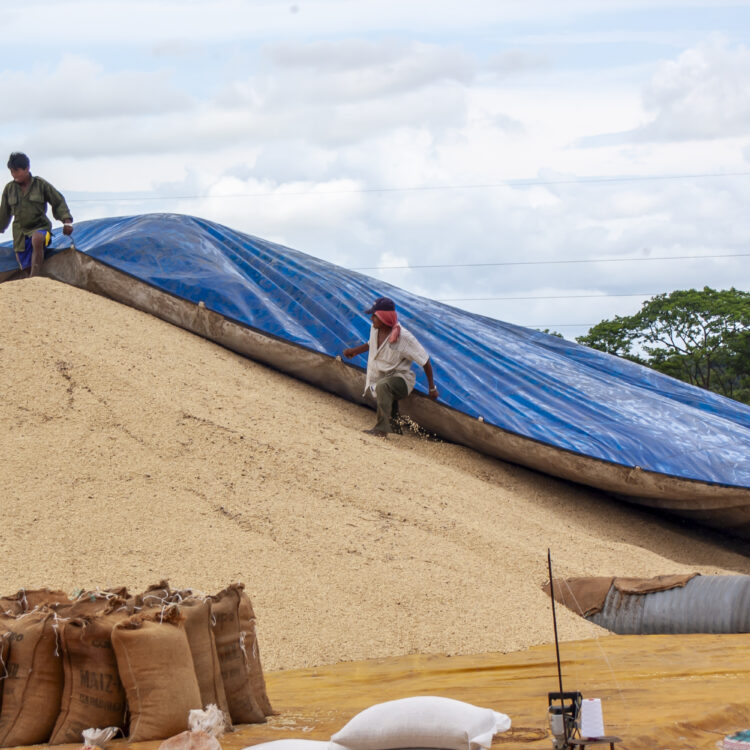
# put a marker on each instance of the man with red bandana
(390, 377)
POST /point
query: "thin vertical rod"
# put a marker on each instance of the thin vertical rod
(557, 645)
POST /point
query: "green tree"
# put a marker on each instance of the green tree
(699, 336)
(550, 332)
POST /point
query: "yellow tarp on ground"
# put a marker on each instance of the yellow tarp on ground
(659, 692)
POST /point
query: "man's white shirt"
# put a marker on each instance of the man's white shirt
(393, 359)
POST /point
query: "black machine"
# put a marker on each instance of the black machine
(564, 717)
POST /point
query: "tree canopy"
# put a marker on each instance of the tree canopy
(699, 336)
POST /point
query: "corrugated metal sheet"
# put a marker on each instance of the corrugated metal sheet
(706, 604)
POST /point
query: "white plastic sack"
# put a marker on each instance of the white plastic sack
(98, 737)
(212, 721)
(290, 745)
(421, 721)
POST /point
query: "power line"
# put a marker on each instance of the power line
(547, 262)
(592, 180)
(558, 296)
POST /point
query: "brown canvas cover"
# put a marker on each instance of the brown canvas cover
(649, 585)
(197, 614)
(33, 686)
(232, 646)
(586, 596)
(93, 695)
(156, 670)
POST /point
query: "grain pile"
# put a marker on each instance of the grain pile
(133, 451)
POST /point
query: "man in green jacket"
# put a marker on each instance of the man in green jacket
(26, 199)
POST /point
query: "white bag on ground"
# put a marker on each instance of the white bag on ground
(213, 721)
(422, 721)
(98, 738)
(203, 729)
(290, 745)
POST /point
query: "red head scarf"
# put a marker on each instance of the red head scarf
(389, 318)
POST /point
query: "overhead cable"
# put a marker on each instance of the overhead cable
(547, 262)
(592, 180)
(556, 296)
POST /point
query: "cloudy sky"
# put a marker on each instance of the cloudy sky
(543, 162)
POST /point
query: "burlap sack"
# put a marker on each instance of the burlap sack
(27, 600)
(197, 614)
(156, 595)
(92, 603)
(232, 644)
(252, 653)
(119, 591)
(156, 669)
(40, 597)
(4, 648)
(33, 687)
(93, 695)
(96, 601)
(10, 605)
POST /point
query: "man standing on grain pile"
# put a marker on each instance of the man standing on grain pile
(390, 377)
(25, 198)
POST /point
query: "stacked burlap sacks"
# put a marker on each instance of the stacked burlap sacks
(140, 663)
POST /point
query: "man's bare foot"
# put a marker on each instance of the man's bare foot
(377, 433)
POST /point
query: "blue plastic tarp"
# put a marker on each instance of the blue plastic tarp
(521, 380)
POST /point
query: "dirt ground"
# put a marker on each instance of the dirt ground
(658, 692)
(134, 451)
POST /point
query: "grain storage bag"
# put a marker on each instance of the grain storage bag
(197, 614)
(156, 670)
(238, 655)
(32, 689)
(93, 695)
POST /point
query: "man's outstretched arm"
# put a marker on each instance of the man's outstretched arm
(433, 393)
(355, 350)
(57, 202)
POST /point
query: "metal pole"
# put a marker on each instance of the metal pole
(557, 646)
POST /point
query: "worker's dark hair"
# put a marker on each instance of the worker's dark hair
(18, 160)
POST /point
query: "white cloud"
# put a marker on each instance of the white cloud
(355, 70)
(702, 94)
(221, 20)
(514, 61)
(80, 88)
(208, 128)
(345, 55)
(312, 127)
(133, 113)
(387, 262)
(176, 47)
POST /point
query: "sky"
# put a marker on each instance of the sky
(550, 164)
